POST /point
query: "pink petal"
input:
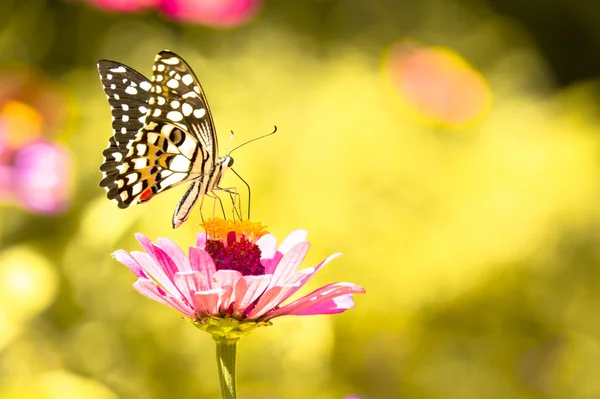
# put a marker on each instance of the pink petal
(226, 280)
(330, 306)
(306, 274)
(160, 256)
(289, 264)
(201, 261)
(150, 290)
(207, 301)
(267, 245)
(201, 240)
(153, 270)
(248, 289)
(125, 258)
(268, 301)
(311, 303)
(175, 253)
(189, 283)
(270, 264)
(295, 237)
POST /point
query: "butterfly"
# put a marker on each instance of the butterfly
(163, 135)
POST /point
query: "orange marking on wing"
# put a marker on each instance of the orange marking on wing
(147, 194)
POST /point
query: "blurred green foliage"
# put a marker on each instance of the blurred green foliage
(477, 244)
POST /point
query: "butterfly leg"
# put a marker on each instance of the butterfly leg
(236, 201)
(217, 199)
(247, 186)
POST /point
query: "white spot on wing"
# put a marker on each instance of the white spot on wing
(125, 118)
(145, 86)
(141, 149)
(171, 61)
(131, 178)
(199, 113)
(186, 109)
(120, 69)
(137, 188)
(108, 76)
(117, 156)
(152, 137)
(165, 130)
(187, 79)
(140, 163)
(175, 104)
(173, 179)
(173, 84)
(174, 116)
(125, 107)
(131, 90)
(188, 146)
(179, 164)
(160, 67)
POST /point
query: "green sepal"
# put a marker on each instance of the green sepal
(228, 328)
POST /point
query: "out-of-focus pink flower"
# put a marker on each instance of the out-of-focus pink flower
(6, 193)
(124, 5)
(437, 84)
(41, 177)
(34, 172)
(216, 13)
(236, 272)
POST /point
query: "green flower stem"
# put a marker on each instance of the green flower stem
(226, 351)
(226, 331)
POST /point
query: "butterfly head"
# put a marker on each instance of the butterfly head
(226, 161)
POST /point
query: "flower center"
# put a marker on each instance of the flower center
(232, 245)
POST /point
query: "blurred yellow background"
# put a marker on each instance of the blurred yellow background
(442, 146)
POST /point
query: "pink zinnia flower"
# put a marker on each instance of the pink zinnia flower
(234, 273)
(216, 13)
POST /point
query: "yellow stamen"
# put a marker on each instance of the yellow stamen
(218, 228)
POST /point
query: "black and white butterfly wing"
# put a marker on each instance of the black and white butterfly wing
(128, 93)
(170, 140)
(178, 110)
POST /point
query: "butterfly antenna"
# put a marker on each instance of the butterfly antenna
(247, 185)
(229, 142)
(250, 141)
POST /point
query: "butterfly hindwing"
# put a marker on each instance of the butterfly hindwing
(128, 93)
